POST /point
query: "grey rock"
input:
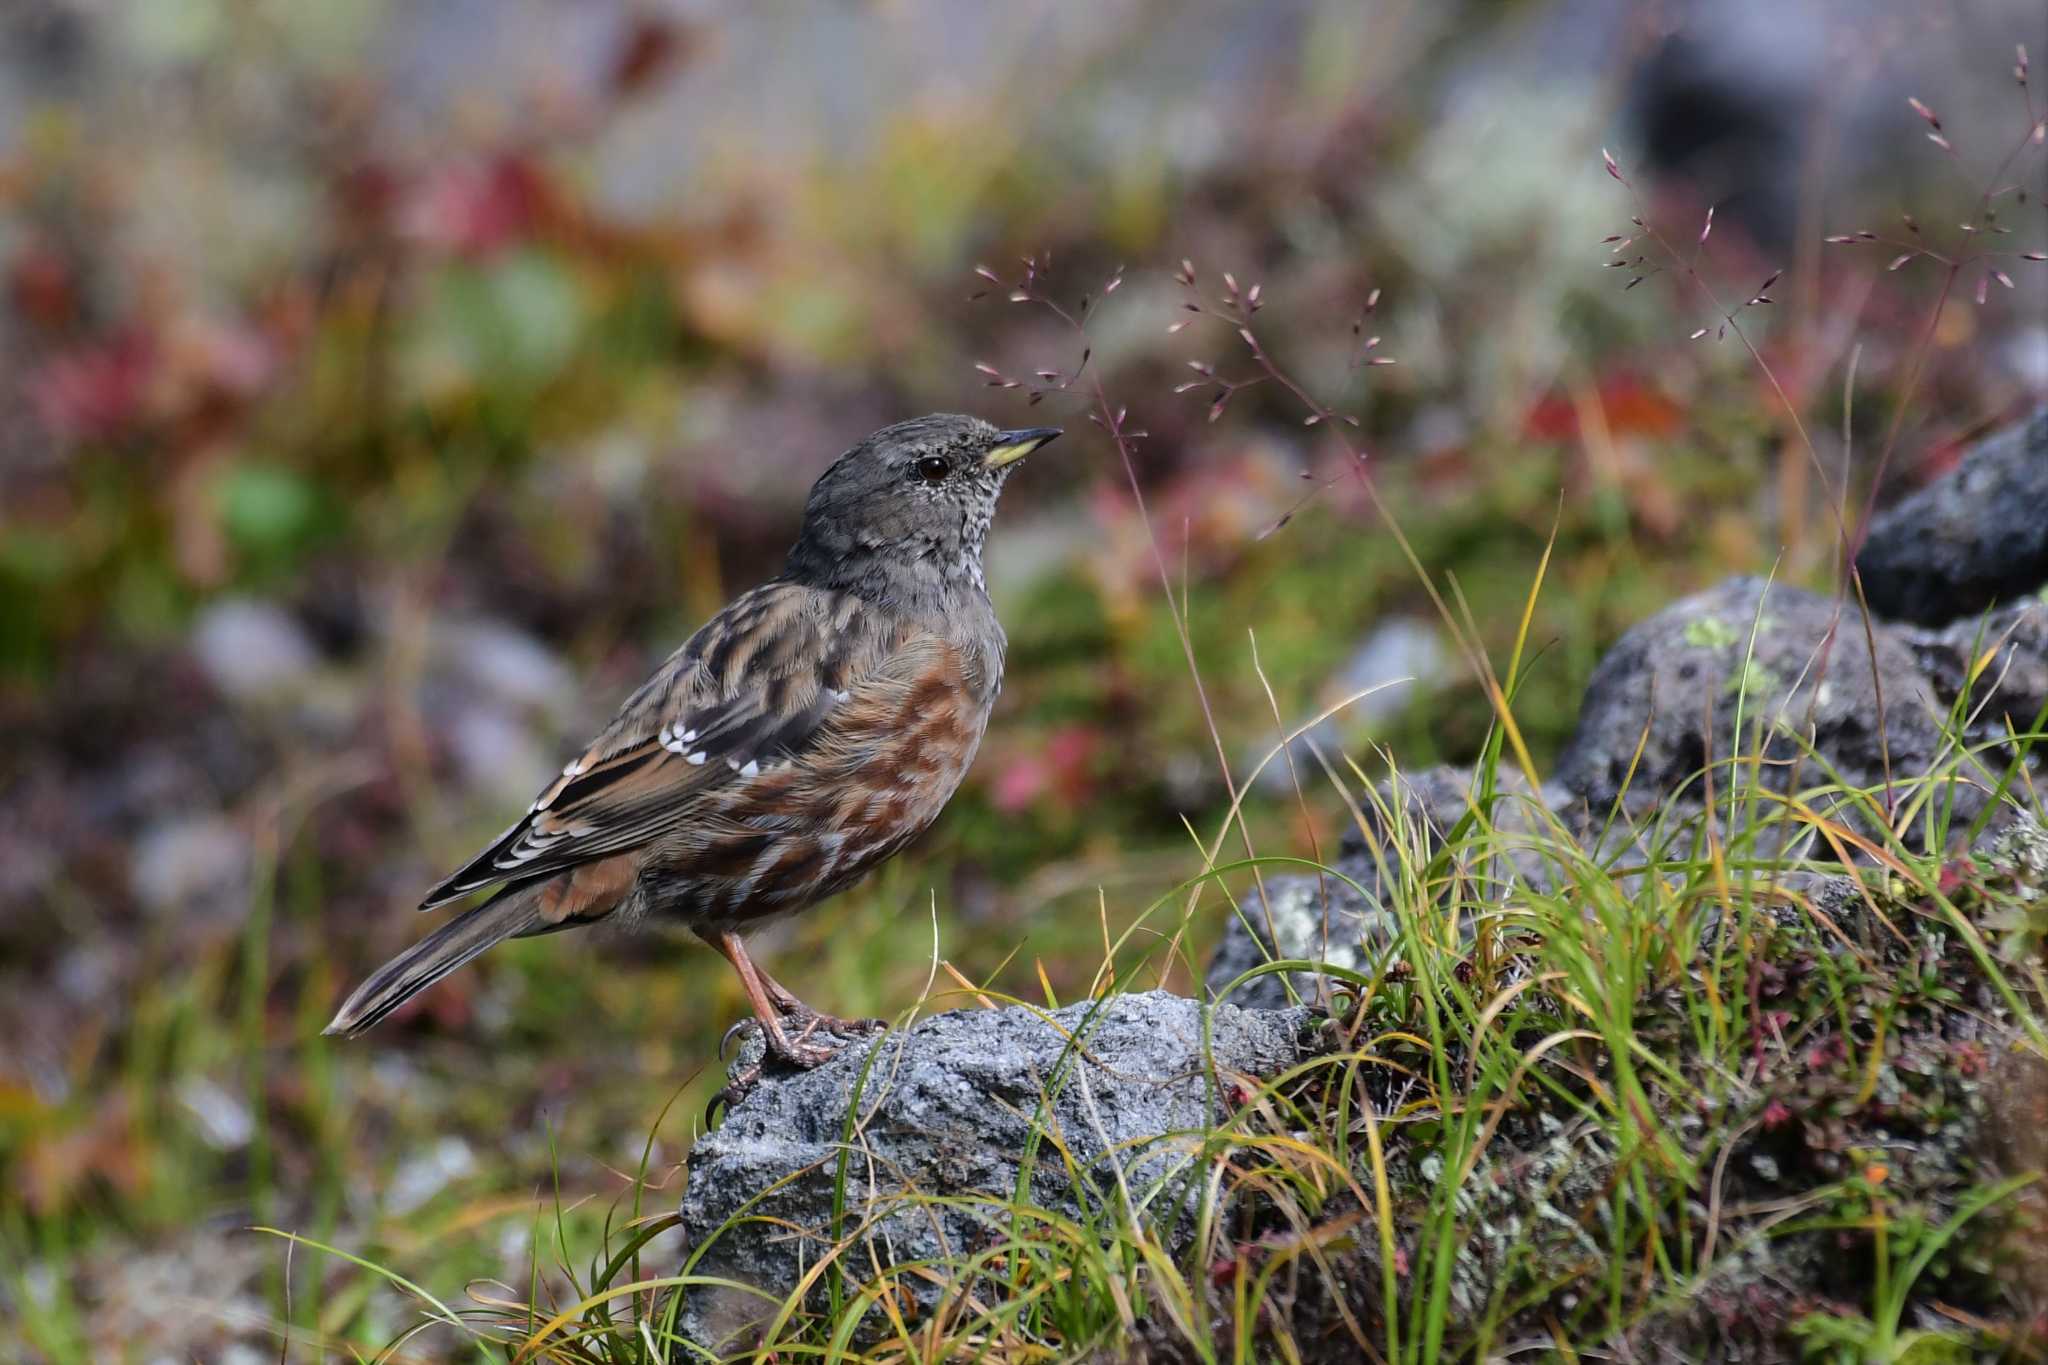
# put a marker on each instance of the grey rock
(1974, 537)
(1795, 670)
(1874, 702)
(965, 1106)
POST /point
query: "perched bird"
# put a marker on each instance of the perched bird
(805, 734)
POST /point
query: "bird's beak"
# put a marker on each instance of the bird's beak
(1012, 446)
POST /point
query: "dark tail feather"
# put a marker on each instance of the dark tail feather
(511, 913)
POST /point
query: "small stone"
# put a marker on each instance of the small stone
(495, 752)
(253, 650)
(419, 1178)
(502, 662)
(225, 1123)
(193, 863)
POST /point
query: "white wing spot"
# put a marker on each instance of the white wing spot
(696, 759)
(753, 769)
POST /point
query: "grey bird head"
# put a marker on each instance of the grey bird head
(906, 511)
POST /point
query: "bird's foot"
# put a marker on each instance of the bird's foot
(800, 1023)
(788, 1039)
(795, 1048)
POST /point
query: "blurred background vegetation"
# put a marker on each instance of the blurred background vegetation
(385, 386)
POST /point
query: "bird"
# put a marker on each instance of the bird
(798, 740)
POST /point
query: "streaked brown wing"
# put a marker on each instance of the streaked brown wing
(876, 773)
(753, 685)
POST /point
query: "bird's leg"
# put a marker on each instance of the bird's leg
(799, 1051)
(784, 999)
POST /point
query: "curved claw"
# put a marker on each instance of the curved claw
(737, 1088)
(725, 1040)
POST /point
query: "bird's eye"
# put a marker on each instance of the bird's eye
(933, 468)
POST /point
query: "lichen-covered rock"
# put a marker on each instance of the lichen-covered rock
(1974, 537)
(1795, 671)
(1319, 919)
(968, 1107)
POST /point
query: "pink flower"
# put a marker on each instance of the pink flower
(95, 391)
(479, 207)
(1059, 769)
